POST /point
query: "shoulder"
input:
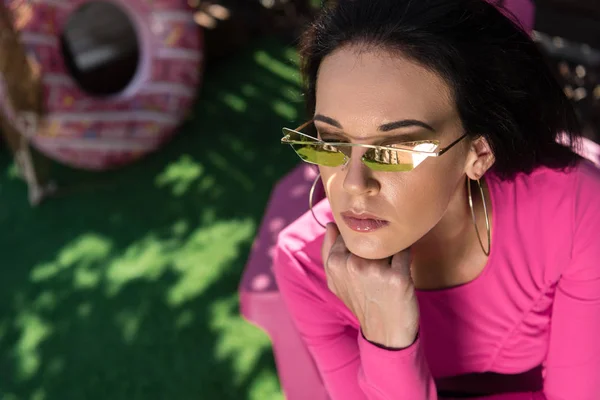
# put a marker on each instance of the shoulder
(305, 231)
(548, 192)
(586, 214)
(569, 200)
(298, 248)
(547, 217)
(587, 181)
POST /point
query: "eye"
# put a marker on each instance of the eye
(424, 145)
(331, 138)
(399, 142)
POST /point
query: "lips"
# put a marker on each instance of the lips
(363, 222)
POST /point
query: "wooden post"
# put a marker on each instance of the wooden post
(21, 106)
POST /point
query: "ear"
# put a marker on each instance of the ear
(480, 158)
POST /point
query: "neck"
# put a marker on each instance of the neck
(451, 242)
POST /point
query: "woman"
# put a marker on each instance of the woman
(461, 257)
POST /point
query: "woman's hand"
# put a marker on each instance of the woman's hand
(381, 295)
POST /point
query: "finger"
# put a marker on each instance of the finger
(331, 235)
(336, 261)
(338, 251)
(401, 261)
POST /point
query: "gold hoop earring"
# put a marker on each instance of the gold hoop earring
(487, 218)
(310, 199)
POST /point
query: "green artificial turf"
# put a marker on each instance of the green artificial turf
(125, 287)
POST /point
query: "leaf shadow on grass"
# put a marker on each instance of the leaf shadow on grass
(128, 289)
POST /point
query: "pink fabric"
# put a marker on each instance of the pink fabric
(537, 302)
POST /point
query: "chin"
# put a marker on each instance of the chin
(371, 246)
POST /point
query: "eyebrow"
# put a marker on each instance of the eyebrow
(405, 123)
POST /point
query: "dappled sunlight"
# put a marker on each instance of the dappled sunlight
(145, 260)
(193, 260)
(285, 110)
(39, 394)
(12, 172)
(127, 287)
(201, 260)
(284, 70)
(292, 95)
(129, 323)
(234, 334)
(196, 260)
(239, 176)
(45, 301)
(184, 319)
(266, 387)
(236, 102)
(250, 91)
(180, 175)
(34, 330)
(239, 147)
(84, 254)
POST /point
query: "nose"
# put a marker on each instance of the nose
(359, 178)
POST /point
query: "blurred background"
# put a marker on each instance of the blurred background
(139, 150)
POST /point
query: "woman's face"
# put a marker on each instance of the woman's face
(357, 93)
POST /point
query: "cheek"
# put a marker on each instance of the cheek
(429, 188)
(419, 199)
(401, 193)
(414, 197)
(414, 202)
(328, 179)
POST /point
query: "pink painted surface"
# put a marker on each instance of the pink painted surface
(289, 200)
(591, 151)
(520, 11)
(297, 372)
(586, 148)
(101, 133)
(260, 301)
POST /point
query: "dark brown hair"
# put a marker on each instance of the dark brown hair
(502, 84)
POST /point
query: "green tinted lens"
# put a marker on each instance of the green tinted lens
(320, 154)
(314, 151)
(390, 160)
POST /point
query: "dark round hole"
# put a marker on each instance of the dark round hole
(100, 48)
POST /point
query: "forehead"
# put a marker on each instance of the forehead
(378, 86)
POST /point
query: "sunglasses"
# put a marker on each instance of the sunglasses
(401, 157)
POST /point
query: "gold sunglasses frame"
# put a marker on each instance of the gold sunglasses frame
(436, 153)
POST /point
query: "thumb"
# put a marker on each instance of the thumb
(331, 234)
(401, 261)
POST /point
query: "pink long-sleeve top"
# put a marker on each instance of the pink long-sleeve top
(528, 327)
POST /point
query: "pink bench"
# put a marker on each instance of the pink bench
(260, 302)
